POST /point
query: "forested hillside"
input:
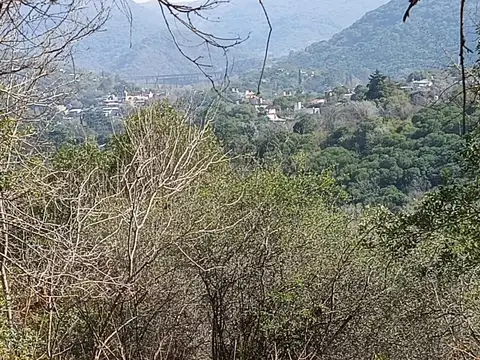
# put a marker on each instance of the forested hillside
(156, 239)
(232, 227)
(140, 45)
(383, 144)
(379, 40)
(149, 49)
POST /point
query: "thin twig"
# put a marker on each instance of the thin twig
(270, 30)
(462, 66)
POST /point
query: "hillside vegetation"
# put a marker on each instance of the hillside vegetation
(149, 49)
(212, 230)
(379, 40)
(384, 145)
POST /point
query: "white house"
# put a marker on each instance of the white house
(273, 116)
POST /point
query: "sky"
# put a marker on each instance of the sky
(179, 1)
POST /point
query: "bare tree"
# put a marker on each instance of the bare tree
(35, 39)
(190, 17)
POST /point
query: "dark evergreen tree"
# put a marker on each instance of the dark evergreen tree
(376, 86)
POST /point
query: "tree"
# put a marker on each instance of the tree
(306, 124)
(154, 247)
(191, 18)
(377, 86)
(359, 93)
(35, 41)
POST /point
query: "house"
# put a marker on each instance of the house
(421, 84)
(253, 99)
(261, 108)
(328, 94)
(250, 97)
(300, 109)
(111, 105)
(256, 101)
(111, 100)
(138, 100)
(316, 103)
(111, 111)
(273, 116)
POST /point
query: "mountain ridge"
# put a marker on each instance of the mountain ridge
(429, 39)
(153, 51)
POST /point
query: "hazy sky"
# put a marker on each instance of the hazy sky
(179, 1)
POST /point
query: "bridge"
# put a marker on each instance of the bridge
(172, 79)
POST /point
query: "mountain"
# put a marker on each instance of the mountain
(148, 47)
(296, 24)
(379, 40)
(136, 46)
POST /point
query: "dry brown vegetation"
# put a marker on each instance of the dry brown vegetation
(155, 248)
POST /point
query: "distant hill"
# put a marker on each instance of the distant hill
(149, 49)
(379, 40)
(296, 24)
(140, 48)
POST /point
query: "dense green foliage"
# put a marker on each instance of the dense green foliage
(379, 39)
(224, 232)
(158, 241)
(384, 151)
(445, 219)
(381, 146)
